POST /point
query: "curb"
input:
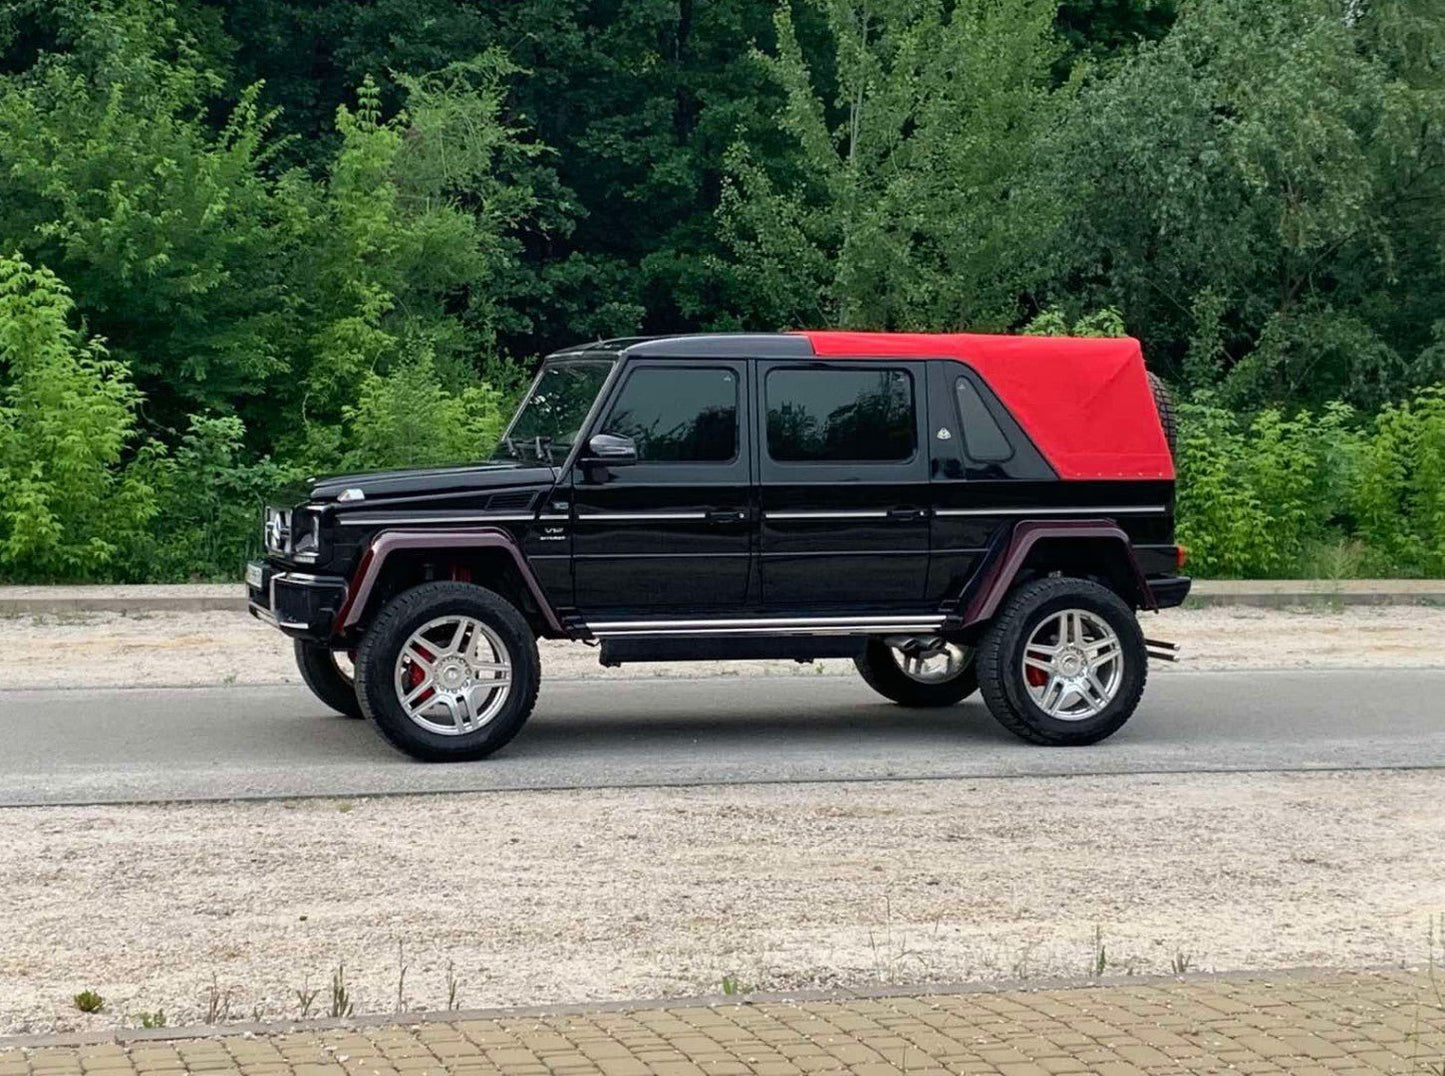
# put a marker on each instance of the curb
(227, 597)
(125, 1036)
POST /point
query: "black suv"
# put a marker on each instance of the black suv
(952, 512)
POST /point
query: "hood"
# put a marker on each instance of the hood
(380, 485)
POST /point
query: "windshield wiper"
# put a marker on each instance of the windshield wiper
(543, 446)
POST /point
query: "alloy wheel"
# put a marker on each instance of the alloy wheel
(453, 675)
(1073, 664)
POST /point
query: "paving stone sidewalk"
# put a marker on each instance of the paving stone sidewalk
(1297, 1023)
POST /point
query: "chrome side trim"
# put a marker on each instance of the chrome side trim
(636, 517)
(871, 513)
(822, 625)
(383, 518)
(1098, 510)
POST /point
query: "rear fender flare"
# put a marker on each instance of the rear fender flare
(373, 561)
(981, 601)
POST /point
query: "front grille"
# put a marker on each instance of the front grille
(278, 531)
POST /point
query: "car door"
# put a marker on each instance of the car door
(843, 484)
(671, 528)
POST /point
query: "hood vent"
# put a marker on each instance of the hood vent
(512, 500)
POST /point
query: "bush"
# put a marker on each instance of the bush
(1264, 495)
(209, 499)
(67, 417)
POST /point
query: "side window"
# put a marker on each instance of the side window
(841, 416)
(982, 437)
(677, 415)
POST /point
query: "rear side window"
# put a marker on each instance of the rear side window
(840, 416)
(679, 416)
(982, 437)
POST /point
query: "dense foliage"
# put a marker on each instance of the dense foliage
(242, 241)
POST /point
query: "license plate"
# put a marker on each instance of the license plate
(254, 574)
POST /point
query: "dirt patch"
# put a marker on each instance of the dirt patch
(115, 650)
(537, 897)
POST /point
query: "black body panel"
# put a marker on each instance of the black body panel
(746, 536)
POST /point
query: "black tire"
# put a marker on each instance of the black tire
(381, 647)
(880, 670)
(1001, 653)
(1164, 404)
(327, 682)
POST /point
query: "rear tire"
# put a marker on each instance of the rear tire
(324, 677)
(448, 672)
(1079, 694)
(879, 667)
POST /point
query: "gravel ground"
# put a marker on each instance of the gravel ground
(110, 649)
(539, 897)
(569, 896)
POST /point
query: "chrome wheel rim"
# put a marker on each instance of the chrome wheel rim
(930, 661)
(1073, 665)
(453, 675)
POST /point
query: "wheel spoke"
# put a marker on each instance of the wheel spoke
(1094, 692)
(418, 655)
(413, 700)
(1039, 663)
(1053, 695)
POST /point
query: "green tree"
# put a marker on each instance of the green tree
(901, 204)
(160, 226)
(1251, 190)
(67, 419)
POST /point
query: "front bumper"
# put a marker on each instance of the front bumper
(299, 603)
(1170, 591)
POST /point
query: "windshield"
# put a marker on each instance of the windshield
(552, 416)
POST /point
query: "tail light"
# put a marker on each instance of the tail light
(1181, 556)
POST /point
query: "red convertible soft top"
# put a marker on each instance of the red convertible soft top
(1086, 402)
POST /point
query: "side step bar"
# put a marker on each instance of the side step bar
(618, 650)
(882, 624)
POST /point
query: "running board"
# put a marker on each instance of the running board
(1162, 651)
(819, 625)
(617, 650)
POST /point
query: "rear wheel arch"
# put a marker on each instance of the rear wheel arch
(1106, 561)
(1098, 551)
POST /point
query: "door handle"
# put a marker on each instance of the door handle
(726, 515)
(904, 515)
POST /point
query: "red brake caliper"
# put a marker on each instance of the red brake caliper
(1035, 676)
(415, 674)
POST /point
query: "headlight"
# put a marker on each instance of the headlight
(305, 535)
(293, 533)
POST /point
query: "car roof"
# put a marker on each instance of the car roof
(1086, 402)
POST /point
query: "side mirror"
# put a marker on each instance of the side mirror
(612, 448)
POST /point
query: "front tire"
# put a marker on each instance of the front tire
(326, 679)
(1064, 663)
(448, 672)
(941, 677)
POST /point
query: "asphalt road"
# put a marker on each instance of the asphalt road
(84, 746)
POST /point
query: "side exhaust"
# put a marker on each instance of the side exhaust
(1161, 650)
